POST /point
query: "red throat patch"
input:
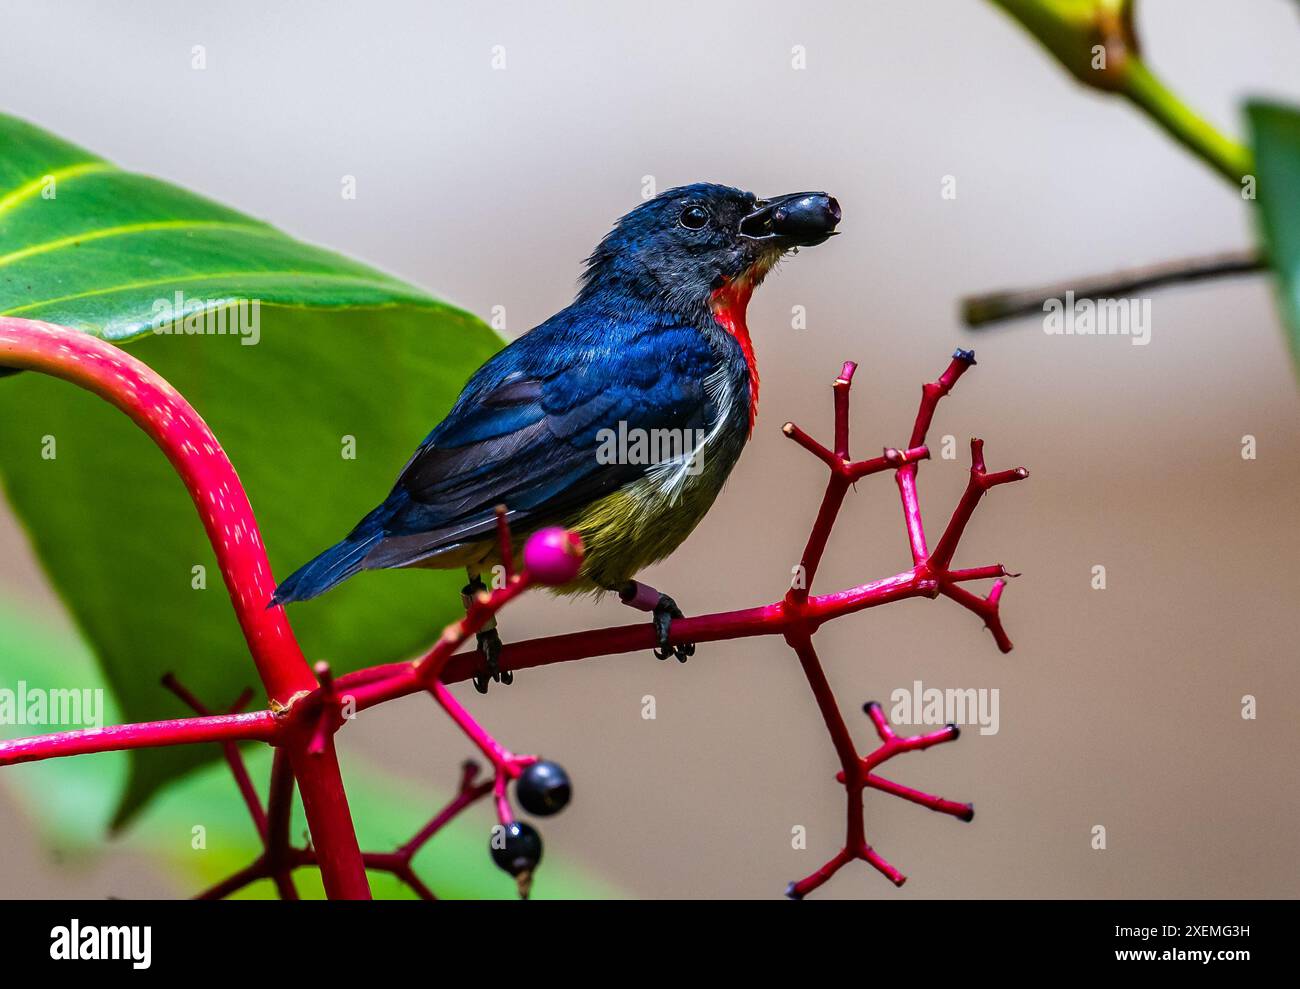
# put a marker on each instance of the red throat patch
(729, 304)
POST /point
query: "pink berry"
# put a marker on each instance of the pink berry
(553, 555)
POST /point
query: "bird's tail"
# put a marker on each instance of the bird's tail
(332, 567)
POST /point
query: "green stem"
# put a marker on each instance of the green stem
(1225, 156)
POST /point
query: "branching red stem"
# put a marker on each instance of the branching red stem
(157, 408)
(229, 750)
(308, 705)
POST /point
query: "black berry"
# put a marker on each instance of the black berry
(516, 847)
(544, 789)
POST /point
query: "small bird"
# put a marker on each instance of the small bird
(620, 417)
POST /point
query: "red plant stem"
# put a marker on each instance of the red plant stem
(484, 742)
(892, 745)
(280, 859)
(802, 645)
(506, 765)
(279, 804)
(986, 608)
(302, 858)
(329, 715)
(803, 887)
(912, 513)
(469, 792)
(836, 488)
(980, 481)
(170, 422)
(408, 876)
(812, 446)
(839, 732)
(979, 573)
(245, 785)
(329, 820)
(233, 884)
(931, 393)
(841, 391)
(930, 574)
(501, 800)
(426, 671)
(377, 684)
(844, 473)
(482, 610)
(390, 862)
(256, 726)
(952, 807)
(230, 751)
(797, 617)
(309, 715)
(890, 460)
(157, 408)
(853, 774)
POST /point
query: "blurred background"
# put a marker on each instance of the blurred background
(1119, 707)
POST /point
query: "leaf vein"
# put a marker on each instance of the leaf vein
(376, 282)
(133, 228)
(29, 189)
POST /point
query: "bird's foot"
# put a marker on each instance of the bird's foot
(489, 644)
(634, 594)
(664, 613)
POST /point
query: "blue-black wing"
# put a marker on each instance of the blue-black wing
(525, 432)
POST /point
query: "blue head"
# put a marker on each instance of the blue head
(679, 248)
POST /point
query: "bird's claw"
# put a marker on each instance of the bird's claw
(664, 613)
(489, 643)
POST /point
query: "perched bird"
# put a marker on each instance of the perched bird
(561, 426)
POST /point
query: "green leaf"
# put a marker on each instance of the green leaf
(73, 798)
(88, 245)
(343, 354)
(1275, 131)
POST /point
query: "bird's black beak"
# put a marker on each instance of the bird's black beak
(801, 219)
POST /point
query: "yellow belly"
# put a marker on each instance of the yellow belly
(639, 525)
(623, 533)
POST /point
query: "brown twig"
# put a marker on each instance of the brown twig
(995, 307)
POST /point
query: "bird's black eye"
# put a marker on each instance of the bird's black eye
(694, 217)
